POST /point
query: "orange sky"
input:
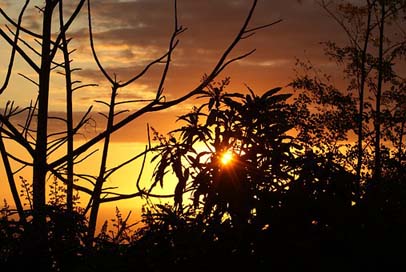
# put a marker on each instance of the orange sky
(130, 33)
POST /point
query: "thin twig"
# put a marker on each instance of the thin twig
(13, 50)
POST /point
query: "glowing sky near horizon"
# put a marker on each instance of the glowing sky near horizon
(129, 34)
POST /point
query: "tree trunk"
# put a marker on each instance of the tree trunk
(39, 249)
(100, 179)
(361, 103)
(377, 166)
(69, 115)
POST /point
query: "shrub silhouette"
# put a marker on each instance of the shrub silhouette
(280, 204)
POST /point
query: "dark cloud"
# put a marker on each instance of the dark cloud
(211, 27)
(130, 34)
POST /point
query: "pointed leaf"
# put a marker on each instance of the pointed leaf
(271, 92)
(278, 98)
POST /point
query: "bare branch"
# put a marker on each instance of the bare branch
(142, 168)
(13, 50)
(19, 169)
(216, 70)
(102, 102)
(86, 157)
(23, 162)
(16, 135)
(104, 115)
(56, 144)
(114, 169)
(120, 112)
(75, 186)
(158, 105)
(83, 120)
(29, 79)
(133, 101)
(172, 45)
(86, 177)
(235, 59)
(66, 26)
(84, 86)
(24, 42)
(29, 32)
(10, 178)
(30, 115)
(120, 197)
(143, 71)
(20, 51)
(106, 75)
(263, 26)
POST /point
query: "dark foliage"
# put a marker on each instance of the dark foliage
(281, 204)
(278, 205)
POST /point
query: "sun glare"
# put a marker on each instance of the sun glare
(227, 157)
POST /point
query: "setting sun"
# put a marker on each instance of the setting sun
(227, 157)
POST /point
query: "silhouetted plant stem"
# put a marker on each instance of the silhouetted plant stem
(13, 51)
(40, 155)
(361, 103)
(94, 211)
(69, 114)
(11, 180)
(377, 168)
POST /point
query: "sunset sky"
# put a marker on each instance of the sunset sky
(131, 33)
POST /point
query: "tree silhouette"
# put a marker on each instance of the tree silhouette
(254, 131)
(370, 60)
(47, 53)
(280, 192)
